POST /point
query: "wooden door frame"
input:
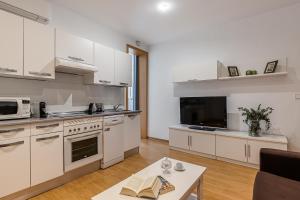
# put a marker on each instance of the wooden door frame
(142, 99)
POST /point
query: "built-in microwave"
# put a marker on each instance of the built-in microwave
(14, 108)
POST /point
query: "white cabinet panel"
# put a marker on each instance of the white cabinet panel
(132, 132)
(15, 131)
(38, 50)
(105, 63)
(255, 146)
(179, 139)
(123, 69)
(46, 127)
(203, 143)
(15, 165)
(231, 148)
(46, 157)
(74, 48)
(11, 40)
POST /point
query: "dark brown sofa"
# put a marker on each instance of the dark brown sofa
(279, 176)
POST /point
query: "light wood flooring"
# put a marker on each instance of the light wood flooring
(222, 181)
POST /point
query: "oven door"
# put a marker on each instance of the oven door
(10, 108)
(82, 149)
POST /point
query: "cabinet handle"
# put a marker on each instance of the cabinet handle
(188, 140)
(125, 84)
(249, 153)
(107, 129)
(11, 144)
(245, 150)
(8, 69)
(12, 130)
(75, 58)
(191, 141)
(107, 81)
(132, 115)
(102, 81)
(39, 73)
(47, 138)
(47, 126)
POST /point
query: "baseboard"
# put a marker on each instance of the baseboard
(194, 153)
(131, 152)
(158, 139)
(111, 162)
(238, 162)
(49, 185)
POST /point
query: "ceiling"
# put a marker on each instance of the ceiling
(140, 19)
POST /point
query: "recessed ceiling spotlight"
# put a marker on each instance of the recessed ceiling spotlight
(164, 6)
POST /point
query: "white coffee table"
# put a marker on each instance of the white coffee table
(185, 182)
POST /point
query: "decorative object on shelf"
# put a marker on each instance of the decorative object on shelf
(233, 71)
(254, 117)
(271, 67)
(166, 164)
(251, 72)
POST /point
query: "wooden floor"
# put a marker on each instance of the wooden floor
(222, 181)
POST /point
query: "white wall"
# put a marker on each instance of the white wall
(68, 92)
(246, 43)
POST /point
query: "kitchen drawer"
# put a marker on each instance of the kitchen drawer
(47, 127)
(18, 131)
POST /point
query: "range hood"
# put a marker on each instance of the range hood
(73, 67)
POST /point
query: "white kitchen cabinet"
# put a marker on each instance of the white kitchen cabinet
(46, 157)
(74, 48)
(14, 131)
(132, 131)
(179, 139)
(203, 143)
(47, 127)
(11, 40)
(38, 50)
(15, 165)
(123, 68)
(231, 148)
(202, 72)
(253, 149)
(105, 64)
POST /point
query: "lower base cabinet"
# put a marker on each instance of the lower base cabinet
(132, 132)
(46, 157)
(14, 165)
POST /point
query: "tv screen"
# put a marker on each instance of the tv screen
(204, 111)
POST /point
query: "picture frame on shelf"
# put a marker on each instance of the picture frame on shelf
(271, 67)
(233, 71)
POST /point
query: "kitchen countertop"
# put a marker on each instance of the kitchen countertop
(49, 119)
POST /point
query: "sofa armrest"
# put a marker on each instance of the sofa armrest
(281, 163)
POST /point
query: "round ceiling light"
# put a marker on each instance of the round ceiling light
(164, 7)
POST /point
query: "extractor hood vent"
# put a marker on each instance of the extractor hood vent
(23, 13)
(72, 67)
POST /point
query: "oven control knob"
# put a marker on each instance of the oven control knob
(95, 126)
(91, 127)
(74, 129)
(85, 128)
(78, 129)
(70, 130)
(98, 126)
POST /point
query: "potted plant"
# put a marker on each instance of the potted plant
(254, 117)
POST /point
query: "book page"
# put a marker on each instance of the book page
(134, 184)
(148, 183)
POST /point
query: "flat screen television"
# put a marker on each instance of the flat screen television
(204, 111)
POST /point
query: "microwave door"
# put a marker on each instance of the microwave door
(9, 108)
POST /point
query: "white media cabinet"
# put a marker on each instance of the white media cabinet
(231, 146)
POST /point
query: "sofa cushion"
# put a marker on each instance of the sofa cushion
(271, 187)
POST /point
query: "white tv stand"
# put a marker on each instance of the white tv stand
(231, 146)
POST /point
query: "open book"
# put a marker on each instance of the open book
(139, 187)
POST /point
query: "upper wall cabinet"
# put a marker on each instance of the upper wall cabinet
(11, 40)
(195, 73)
(105, 64)
(123, 69)
(74, 48)
(38, 50)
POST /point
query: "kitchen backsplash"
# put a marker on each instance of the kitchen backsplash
(65, 93)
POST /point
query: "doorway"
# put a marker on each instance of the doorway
(137, 95)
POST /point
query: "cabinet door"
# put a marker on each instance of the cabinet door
(195, 73)
(132, 132)
(11, 40)
(123, 69)
(74, 48)
(15, 165)
(231, 148)
(203, 143)
(179, 139)
(255, 146)
(105, 63)
(46, 157)
(38, 50)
